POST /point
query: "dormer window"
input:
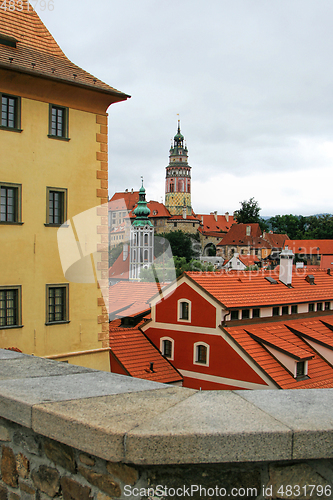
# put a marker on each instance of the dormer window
(300, 369)
(8, 41)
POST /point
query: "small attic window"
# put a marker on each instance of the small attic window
(271, 280)
(310, 279)
(8, 40)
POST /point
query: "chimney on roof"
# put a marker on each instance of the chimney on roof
(310, 279)
(286, 266)
(227, 216)
(126, 190)
(248, 230)
(132, 191)
(202, 218)
(151, 367)
(215, 216)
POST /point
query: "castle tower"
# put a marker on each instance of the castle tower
(178, 178)
(141, 238)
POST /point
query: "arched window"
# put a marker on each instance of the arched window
(167, 347)
(146, 239)
(201, 353)
(145, 256)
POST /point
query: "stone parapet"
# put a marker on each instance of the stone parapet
(70, 432)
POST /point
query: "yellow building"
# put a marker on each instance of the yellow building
(53, 166)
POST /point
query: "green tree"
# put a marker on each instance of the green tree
(181, 244)
(292, 225)
(249, 212)
(319, 227)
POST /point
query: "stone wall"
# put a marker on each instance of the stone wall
(71, 433)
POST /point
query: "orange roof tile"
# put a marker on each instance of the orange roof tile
(311, 247)
(249, 260)
(136, 353)
(130, 298)
(276, 240)
(251, 289)
(320, 372)
(37, 52)
(120, 268)
(124, 201)
(237, 235)
(210, 225)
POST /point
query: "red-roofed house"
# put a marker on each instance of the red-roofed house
(241, 262)
(247, 329)
(212, 228)
(132, 354)
(314, 252)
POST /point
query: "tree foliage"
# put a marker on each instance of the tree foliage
(180, 243)
(298, 227)
(249, 212)
(173, 268)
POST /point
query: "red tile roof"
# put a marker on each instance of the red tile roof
(124, 201)
(249, 260)
(135, 352)
(237, 235)
(319, 371)
(276, 240)
(37, 52)
(251, 289)
(131, 298)
(311, 247)
(210, 225)
(120, 268)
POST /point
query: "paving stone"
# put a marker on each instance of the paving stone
(126, 474)
(4, 434)
(22, 465)
(8, 467)
(87, 459)
(27, 442)
(301, 479)
(60, 454)
(210, 426)
(97, 425)
(101, 481)
(13, 496)
(47, 480)
(3, 493)
(27, 492)
(308, 413)
(72, 490)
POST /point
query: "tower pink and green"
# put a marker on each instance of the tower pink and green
(178, 178)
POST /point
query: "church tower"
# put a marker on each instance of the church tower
(178, 178)
(141, 238)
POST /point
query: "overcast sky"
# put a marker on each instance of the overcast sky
(252, 81)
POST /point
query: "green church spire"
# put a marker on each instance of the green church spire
(141, 212)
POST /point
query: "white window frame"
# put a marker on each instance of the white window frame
(195, 347)
(172, 347)
(305, 370)
(179, 310)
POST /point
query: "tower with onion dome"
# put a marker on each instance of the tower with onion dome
(178, 178)
(141, 238)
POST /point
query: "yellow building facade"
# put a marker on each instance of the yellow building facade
(53, 166)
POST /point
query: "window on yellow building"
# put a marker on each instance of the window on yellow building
(10, 307)
(57, 303)
(56, 200)
(58, 122)
(10, 203)
(10, 112)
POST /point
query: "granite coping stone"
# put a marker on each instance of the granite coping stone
(120, 418)
(308, 413)
(18, 396)
(99, 426)
(209, 427)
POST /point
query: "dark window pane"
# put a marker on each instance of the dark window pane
(8, 307)
(167, 348)
(201, 354)
(8, 111)
(8, 204)
(57, 304)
